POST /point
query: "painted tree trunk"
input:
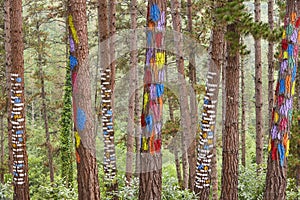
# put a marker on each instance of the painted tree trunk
(132, 91)
(87, 170)
(193, 103)
(243, 118)
(208, 122)
(279, 138)
(107, 82)
(206, 151)
(150, 184)
(270, 63)
(258, 94)
(17, 100)
(230, 150)
(185, 117)
(8, 84)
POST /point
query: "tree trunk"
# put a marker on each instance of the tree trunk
(2, 169)
(270, 63)
(175, 151)
(186, 136)
(276, 179)
(193, 103)
(137, 114)
(132, 96)
(258, 94)
(44, 107)
(230, 151)
(150, 184)
(87, 170)
(207, 141)
(243, 120)
(17, 99)
(107, 87)
(7, 16)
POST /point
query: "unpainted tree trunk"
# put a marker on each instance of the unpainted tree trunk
(276, 179)
(44, 107)
(186, 138)
(132, 96)
(243, 105)
(7, 16)
(193, 103)
(17, 99)
(270, 63)
(230, 151)
(2, 171)
(87, 170)
(150, 185)
(258, 94)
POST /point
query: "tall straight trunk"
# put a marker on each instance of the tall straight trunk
(137, 114)
(44, 107)
(270, 63)
(17, 99)
(258, 94)
(7, 16)
(186, 137)
(207, 141)
(243, 105)
(276, 179)
(107, 89)
(193, 103)
(87, 170)
(132, 91)
(230, 151)
(2, 149)
(175, 151)
(150, 184)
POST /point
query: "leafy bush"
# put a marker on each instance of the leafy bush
(251, 186)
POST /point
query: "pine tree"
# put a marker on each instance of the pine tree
(206, 140)
(107, 93)
(258, 93)
(132, 91)
(17, 99)
(230, 150)
(87, 170)
(279, 138)
(150, 184)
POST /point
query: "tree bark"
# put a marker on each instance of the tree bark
(107, 89)
(193, 103)
(2, 169)
(150, 184)
(87, 170)
(270, 63)
(132, 91)
(243, 120)
(7, 16)
(276, 179)
(186, 136)
(230, 151)
(17, 99)
(258, 94)
(44, 106)
(206, 152)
